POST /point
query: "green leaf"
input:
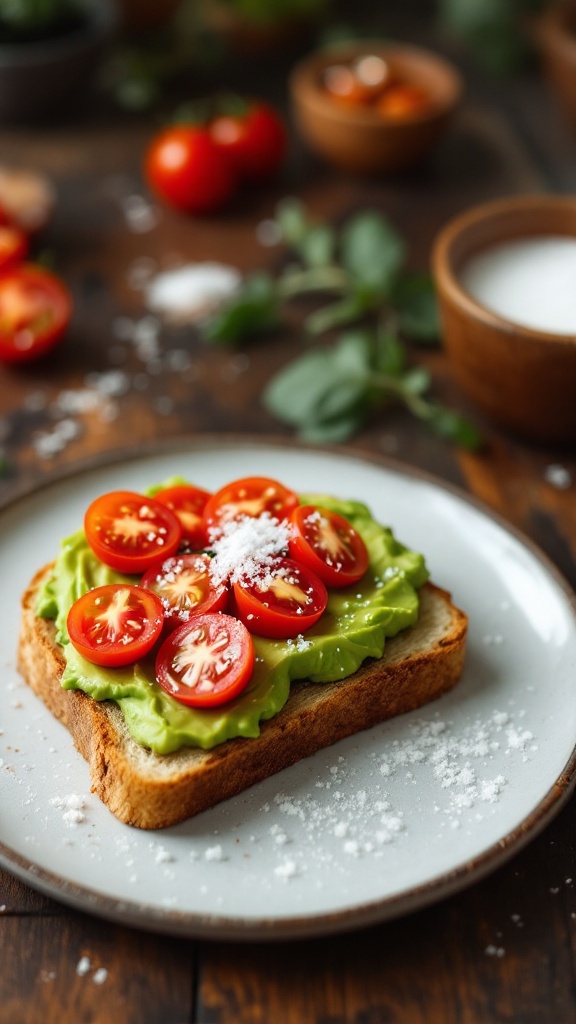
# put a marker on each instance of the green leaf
(321, 385)
(317, 246)
(372, 251)
(334, 431)
(414, 300)
(389, 354)
(292, 219)
(416, 381)
(252, 310)
(453, 426)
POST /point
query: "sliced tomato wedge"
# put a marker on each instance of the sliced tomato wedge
(329, 545)
(116, 624)
(251, 496)
(207, 661)
(35, 309)
(130, 532)
(285, 600)
(188, 503)
(184, 586)
(13, 246)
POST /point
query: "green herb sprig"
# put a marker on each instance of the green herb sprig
(330, 390)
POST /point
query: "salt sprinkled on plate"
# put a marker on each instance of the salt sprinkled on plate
(73, 807)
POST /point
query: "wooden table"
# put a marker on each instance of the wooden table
(504, 949)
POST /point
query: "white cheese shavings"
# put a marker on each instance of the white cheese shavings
(242, 548)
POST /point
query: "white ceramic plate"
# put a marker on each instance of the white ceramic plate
(380, 823)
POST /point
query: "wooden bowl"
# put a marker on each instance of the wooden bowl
(523, 379)
(555, 37)
(359, 138)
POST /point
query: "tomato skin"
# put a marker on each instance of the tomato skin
(115, 625)
(35, 310)
(207, 661)
(287, 601)
(249, 496)
(253, 143)
(188, 503)
(13, 246)
(151, 531)
(329, 545)
(403, 101)
(185, 169)
(184, 587)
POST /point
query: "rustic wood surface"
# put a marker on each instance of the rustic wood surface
(504, 950)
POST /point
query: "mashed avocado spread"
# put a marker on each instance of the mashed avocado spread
(354, 627)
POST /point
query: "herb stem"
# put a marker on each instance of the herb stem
(317, 279)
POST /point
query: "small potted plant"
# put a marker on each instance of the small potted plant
(49, 50)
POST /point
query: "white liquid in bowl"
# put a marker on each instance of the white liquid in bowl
(531, 281)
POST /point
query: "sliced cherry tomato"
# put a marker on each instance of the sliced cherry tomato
(130, 532)
(286, 600)
(13, 246)
(186, 169)
(329, 545)
(184, 586)
(116, 624)
(250, 496)
(188, 503)
(206, 661)
(254, 141)
(35, 309)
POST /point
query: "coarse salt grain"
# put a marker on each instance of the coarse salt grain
(83, 966)
(243, 547)
(215, 853)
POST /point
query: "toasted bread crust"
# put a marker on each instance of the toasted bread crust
(151, 791)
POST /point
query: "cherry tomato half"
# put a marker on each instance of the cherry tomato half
(13, 246)
(285, 601)
(329, 545)
(35, 309)
(116, 624)
(184, 586)
(188, 503)
(186, 169)
(130, 532)
(359, 83)
(250, 496)
(254, 142)
(403, 101)
(206, 661)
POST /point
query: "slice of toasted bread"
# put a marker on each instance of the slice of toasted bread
(153, 791)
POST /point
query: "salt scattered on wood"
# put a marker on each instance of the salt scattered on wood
(189, 293)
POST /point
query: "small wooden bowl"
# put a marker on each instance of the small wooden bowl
(358, 138)
(555, 37)
(521, 378)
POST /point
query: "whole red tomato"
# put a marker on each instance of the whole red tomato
(254, 140)
(186, 169)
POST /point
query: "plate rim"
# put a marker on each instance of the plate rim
(132, 913)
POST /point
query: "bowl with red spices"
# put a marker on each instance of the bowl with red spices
(371, 107)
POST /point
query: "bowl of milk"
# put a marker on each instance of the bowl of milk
(505, 275)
